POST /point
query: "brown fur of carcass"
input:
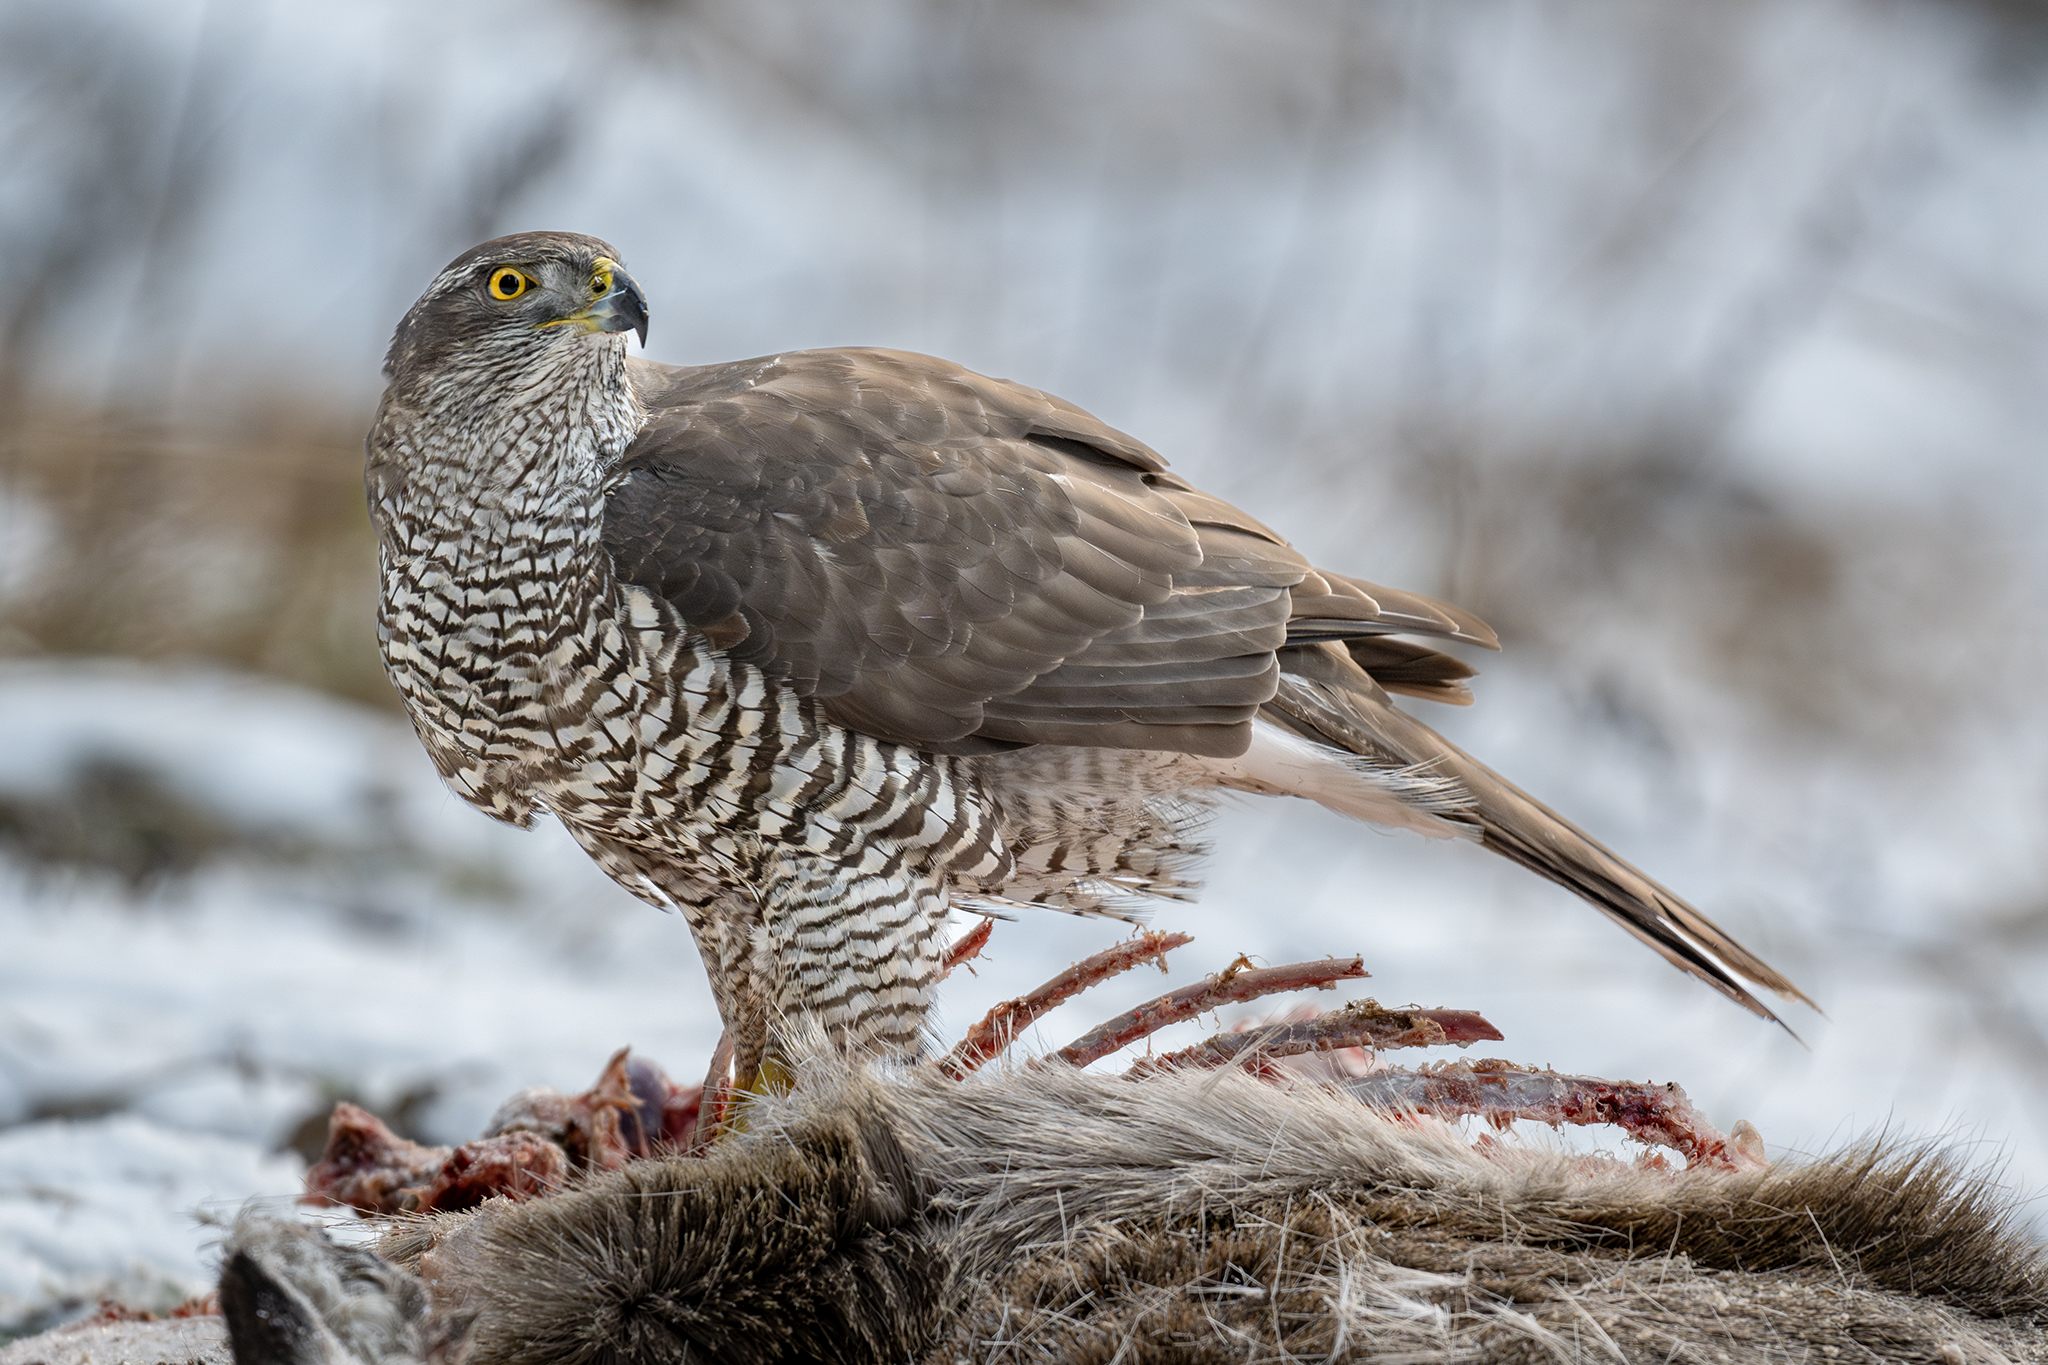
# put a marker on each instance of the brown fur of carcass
(1050, 1215)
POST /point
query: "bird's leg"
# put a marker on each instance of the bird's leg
(851, 951)
(742, 1065)
(771, 1077)
(714, 1098)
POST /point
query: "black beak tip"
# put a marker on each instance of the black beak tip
(636, 310)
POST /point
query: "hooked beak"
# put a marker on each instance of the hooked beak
(622, 310)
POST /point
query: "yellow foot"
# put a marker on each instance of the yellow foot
(770, 1078)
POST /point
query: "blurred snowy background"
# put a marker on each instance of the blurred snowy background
(1702, 349)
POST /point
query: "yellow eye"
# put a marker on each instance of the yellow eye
(509, 283)
(601, 282)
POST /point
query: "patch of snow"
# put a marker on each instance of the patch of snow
(188, 1341)
(112, 1207)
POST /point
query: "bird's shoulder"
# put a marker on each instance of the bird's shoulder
(857, 521)
(870, 400)
(951, 560)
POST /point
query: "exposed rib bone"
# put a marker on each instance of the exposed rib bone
(1364, 1023)
(967, 946)
(1001, 1025)
(1233, 985)
(1501, 1092)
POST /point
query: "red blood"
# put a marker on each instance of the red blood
(367, 1166)
(512, 1165)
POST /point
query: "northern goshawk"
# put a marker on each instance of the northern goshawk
(815, 645)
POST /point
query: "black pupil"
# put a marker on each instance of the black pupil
(508, 283)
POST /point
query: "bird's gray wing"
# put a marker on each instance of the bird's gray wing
(963, 563)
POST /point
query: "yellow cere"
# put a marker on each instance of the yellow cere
(507, 283)
(601, 281)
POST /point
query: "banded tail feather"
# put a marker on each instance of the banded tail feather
(1327, 698)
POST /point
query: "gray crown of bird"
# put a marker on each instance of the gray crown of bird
(815, 646)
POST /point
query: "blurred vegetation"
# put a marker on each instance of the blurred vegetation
(247, 546)
(116, 816)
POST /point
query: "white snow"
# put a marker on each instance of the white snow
(107, 1208)
(424, 950)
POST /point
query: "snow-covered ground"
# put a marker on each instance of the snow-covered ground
(355, 932)
(112, 1207)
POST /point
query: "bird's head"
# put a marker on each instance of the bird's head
(514, 301)
(510, 371)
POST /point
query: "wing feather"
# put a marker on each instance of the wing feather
(960, 563)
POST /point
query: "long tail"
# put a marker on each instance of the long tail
(1325, 696)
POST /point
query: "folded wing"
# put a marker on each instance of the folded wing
(965, 564)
